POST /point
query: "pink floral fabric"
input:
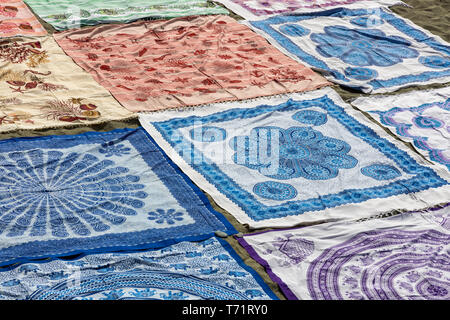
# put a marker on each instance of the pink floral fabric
(17, 19)
(181, 62)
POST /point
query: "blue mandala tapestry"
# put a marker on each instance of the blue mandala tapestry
(372, 50)
(296, 158)
(208, 269)
(419, 117)
(94, 192)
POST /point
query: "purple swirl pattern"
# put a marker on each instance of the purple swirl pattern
(384, 265)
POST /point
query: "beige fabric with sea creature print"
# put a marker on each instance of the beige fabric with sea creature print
(41, 87)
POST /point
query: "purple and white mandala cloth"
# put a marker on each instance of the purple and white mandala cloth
(402, 257)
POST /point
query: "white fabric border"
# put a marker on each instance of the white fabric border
(248, 15)
(416, 201)
(332, 79)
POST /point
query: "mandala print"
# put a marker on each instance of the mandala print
(43, 192)
(383, 265)
(274, 190)
(435, 62)
(381, 172)
(111, 149)
(363, 47)
(303, 151)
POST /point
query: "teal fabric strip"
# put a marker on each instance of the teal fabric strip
(71, 14)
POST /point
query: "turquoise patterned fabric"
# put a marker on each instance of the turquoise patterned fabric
(69, 14)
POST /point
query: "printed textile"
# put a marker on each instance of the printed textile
(16, 19)
(92, 192)
(209, 269)
(401, 257)
(70, 14)
(156, 65)
(371, 50)
(419, 117)
(41, 87)
(257, 9)
(296, 158)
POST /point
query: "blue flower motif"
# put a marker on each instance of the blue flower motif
(435, 62)
(162, 216)
(275, 190)
(294, 30)
(311, 117)
(60, 193)
(361, 74)
(111, 149)
(208, 134)
(428, 122)
(367, 21)
(303, 152)
(363, 47)
(381, 172)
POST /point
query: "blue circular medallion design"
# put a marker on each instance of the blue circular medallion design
(310, 117)
(363, 47)
(51, 192)
(275, 190)
(208, 134)
(435, 62)
(361, 74)
(381, 172)
(294, 30)
(169, 216)
(303, 152)
(428, 122)
(370, 21)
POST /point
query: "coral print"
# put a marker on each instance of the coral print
(155, 65)
(17, 19)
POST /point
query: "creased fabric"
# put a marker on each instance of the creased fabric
(181, 62)
(369, 50)
(258, 9)
(404, 257)
(296, 158)
(70, 14)
(41, 87)
(95, 192)
(205, 270)
(419, 117)
(16, 19)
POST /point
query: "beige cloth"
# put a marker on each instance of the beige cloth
(41, 87)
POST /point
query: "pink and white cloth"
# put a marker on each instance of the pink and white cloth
(17, 19)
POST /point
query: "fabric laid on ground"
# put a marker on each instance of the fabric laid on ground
(280, 161)
(401, 257)
(370, 50)
(419, 117)
(69, 14)
(181, 62)
(92, 192)
(257, 9)
(209, 270)
(41, 87)
(17, 19)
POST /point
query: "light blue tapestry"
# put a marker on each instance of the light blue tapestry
(94, 192)
(209, 269)
(372, 50)
(304, 156)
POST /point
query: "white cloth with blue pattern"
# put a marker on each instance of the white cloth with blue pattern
(371, 50)
(296, 158)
